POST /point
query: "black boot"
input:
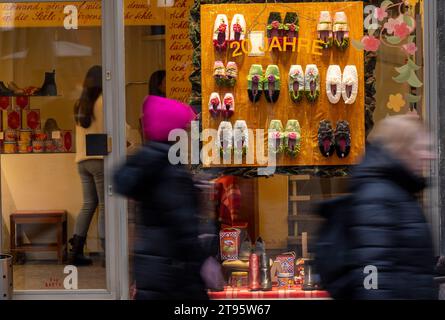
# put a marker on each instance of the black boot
(5, 91)
(76, 256)
(266, 282)
(49, 87)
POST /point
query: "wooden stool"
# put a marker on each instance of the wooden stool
(56, 217)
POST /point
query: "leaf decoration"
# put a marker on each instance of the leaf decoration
(393, 40)
(407, 74)
(408, 20)
(412, 98)
(385, 4)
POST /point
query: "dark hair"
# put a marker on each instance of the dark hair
(92, 89)
(154, 83)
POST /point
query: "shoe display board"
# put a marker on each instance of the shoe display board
(312, 92)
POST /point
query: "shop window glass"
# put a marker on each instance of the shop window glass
(46, 50)
(280, 209)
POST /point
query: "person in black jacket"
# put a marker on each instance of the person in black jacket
(167, 259)
(387, 228)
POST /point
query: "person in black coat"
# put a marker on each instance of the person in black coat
(387, 228)
(167, 258)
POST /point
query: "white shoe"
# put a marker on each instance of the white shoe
(240, 137)
(238, 28)
(215, 106)
(221, 32)
(350, 84)
(296, 83)
(224, 140)
(312, 82)
(334, 84)
(228, 105)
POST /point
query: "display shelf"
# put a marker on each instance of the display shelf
(304, 217)
(296, 240)
(295, 292)
(30, 96)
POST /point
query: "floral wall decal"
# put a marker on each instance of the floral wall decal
(396, 102)
(392, 26)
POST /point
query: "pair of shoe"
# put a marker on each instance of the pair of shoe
(342, 85)
(236, 138)
(226, 107)
(285, 140)
(225, 76)
(246, 248)
(48, 88)
(340, 140)
(269, 82)
(307, 84)
(277, 29)
(337, 34)
(222, 35)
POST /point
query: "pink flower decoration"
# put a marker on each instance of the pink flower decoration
(293, 135)
(277, 135)
(410, 48)
(401, 30)
(389, 26)
(380, 14)
(371, 43)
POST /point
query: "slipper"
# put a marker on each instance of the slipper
(350, 84)
(341, 31)
(342, 139)
(228, 106)
(237, 28)
(296, 83)
(312, 82)
(324, 29)
(224, 139)
(231, 73)
(219, 73)
(240, 137)
(291, 26)
(272, 83)
(292, 138)
(215, 106)
(255, 82)
(221, 32)
(275, 27)
(276, 137)
(326, 142)
(333, 84)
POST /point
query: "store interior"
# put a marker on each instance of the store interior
(279, 209)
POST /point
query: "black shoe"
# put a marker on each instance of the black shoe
(49, 87)
(76, 256)
(5, 91)
(260, 247)
(265, 279)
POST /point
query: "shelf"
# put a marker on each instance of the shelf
(34, 153)
(36, 247)
(297, 240)
(300, 178)
(155, 37)
(305, 217)
(30, 96)
(315, 197)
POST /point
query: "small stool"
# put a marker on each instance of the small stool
(56, 217)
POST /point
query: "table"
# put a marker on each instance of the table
(56, 217)
(294, 292)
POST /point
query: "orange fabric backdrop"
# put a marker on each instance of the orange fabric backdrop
(309, 115)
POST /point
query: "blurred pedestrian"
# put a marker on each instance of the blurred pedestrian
(157, 85)
(388, 229)
(168, 263)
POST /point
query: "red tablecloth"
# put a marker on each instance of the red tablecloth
(243, 293)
